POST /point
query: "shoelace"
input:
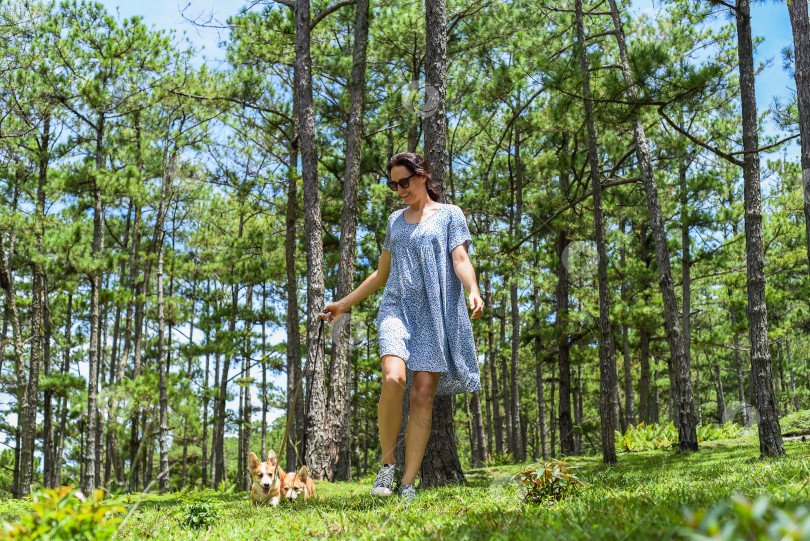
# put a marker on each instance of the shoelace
(385, 478)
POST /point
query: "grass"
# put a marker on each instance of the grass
(645, 496)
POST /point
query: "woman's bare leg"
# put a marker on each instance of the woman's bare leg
(420, 419)
(389, 409)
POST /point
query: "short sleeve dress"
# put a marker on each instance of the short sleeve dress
(423, 315)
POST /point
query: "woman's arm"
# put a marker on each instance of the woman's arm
(466, 275)
(375, 281)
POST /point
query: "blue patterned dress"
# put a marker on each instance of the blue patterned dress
(423, 315)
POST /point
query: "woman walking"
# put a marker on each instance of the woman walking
(426, 341)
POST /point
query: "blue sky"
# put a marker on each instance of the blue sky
(770, 20)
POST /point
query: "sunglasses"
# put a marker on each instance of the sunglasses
(403, 182)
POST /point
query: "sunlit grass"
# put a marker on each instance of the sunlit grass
(643, 497)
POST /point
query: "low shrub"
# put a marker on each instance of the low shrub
(498, 459)
(198, 514)
(660, 437)
(548, 481)
(66, 513)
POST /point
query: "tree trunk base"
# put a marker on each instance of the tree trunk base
(440, 465)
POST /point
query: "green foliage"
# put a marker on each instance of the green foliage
(499, 459)
(648, 437)
(549, 481)
(66, 513)
(197, 514)
(799, 420)
(740, 518)
(225, 487)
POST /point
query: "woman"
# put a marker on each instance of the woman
(426, 342)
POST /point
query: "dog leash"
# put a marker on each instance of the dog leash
(291, 413)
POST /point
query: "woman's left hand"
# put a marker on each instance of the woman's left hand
(476, 304)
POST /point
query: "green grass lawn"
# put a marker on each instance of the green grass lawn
(645, 496)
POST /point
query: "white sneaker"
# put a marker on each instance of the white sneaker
(384, 483)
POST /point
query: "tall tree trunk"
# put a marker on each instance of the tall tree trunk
(679, 375)
(721, 396)
(247, 410)
(738, 364)
(697, 391)
(316, 443)
(190, 357)
(507, 401)
(552, 416)
(264, 370)
(205, 391)
(561, 324)
(492, 360)
(607, 363)
(792, 380)
(800, 24)
(770, 434)
(92, 447)
(441, 465)
(48, 447)
(518, 443)
(644, 407)
(629, 403)
(295, 439)
(163, 369)
(219, 436)
(63, 404)
(337, 415)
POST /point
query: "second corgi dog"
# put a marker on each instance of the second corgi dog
(267, 480)
(298, 485)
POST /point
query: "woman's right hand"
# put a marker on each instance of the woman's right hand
(332, 311)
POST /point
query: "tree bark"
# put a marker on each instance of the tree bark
(679, 375)
(91, 448)
(163, 369)
(337, 439)
(644, 408)
(441, 465)
(607, 363)
(792, 380)
(797, 10)
(493, 355)
(629, 403)
(770, 434)
(316, 456)
(295, 438)
(507, 401)
(517, 441)
(561, 324)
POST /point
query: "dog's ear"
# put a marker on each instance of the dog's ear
(271, 457)
(303, 473)
(253, 461)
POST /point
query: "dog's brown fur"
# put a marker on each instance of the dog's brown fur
(267, 480)
(298, 485)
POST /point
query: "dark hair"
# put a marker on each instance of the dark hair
(416, 164)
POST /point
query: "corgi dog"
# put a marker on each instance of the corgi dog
(298, 485)
(267, 479)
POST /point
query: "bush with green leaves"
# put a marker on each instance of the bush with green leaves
(498, 459)
(198, 514)
(66, 514)
(645, 437)
(547, 482)
(740, 518)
